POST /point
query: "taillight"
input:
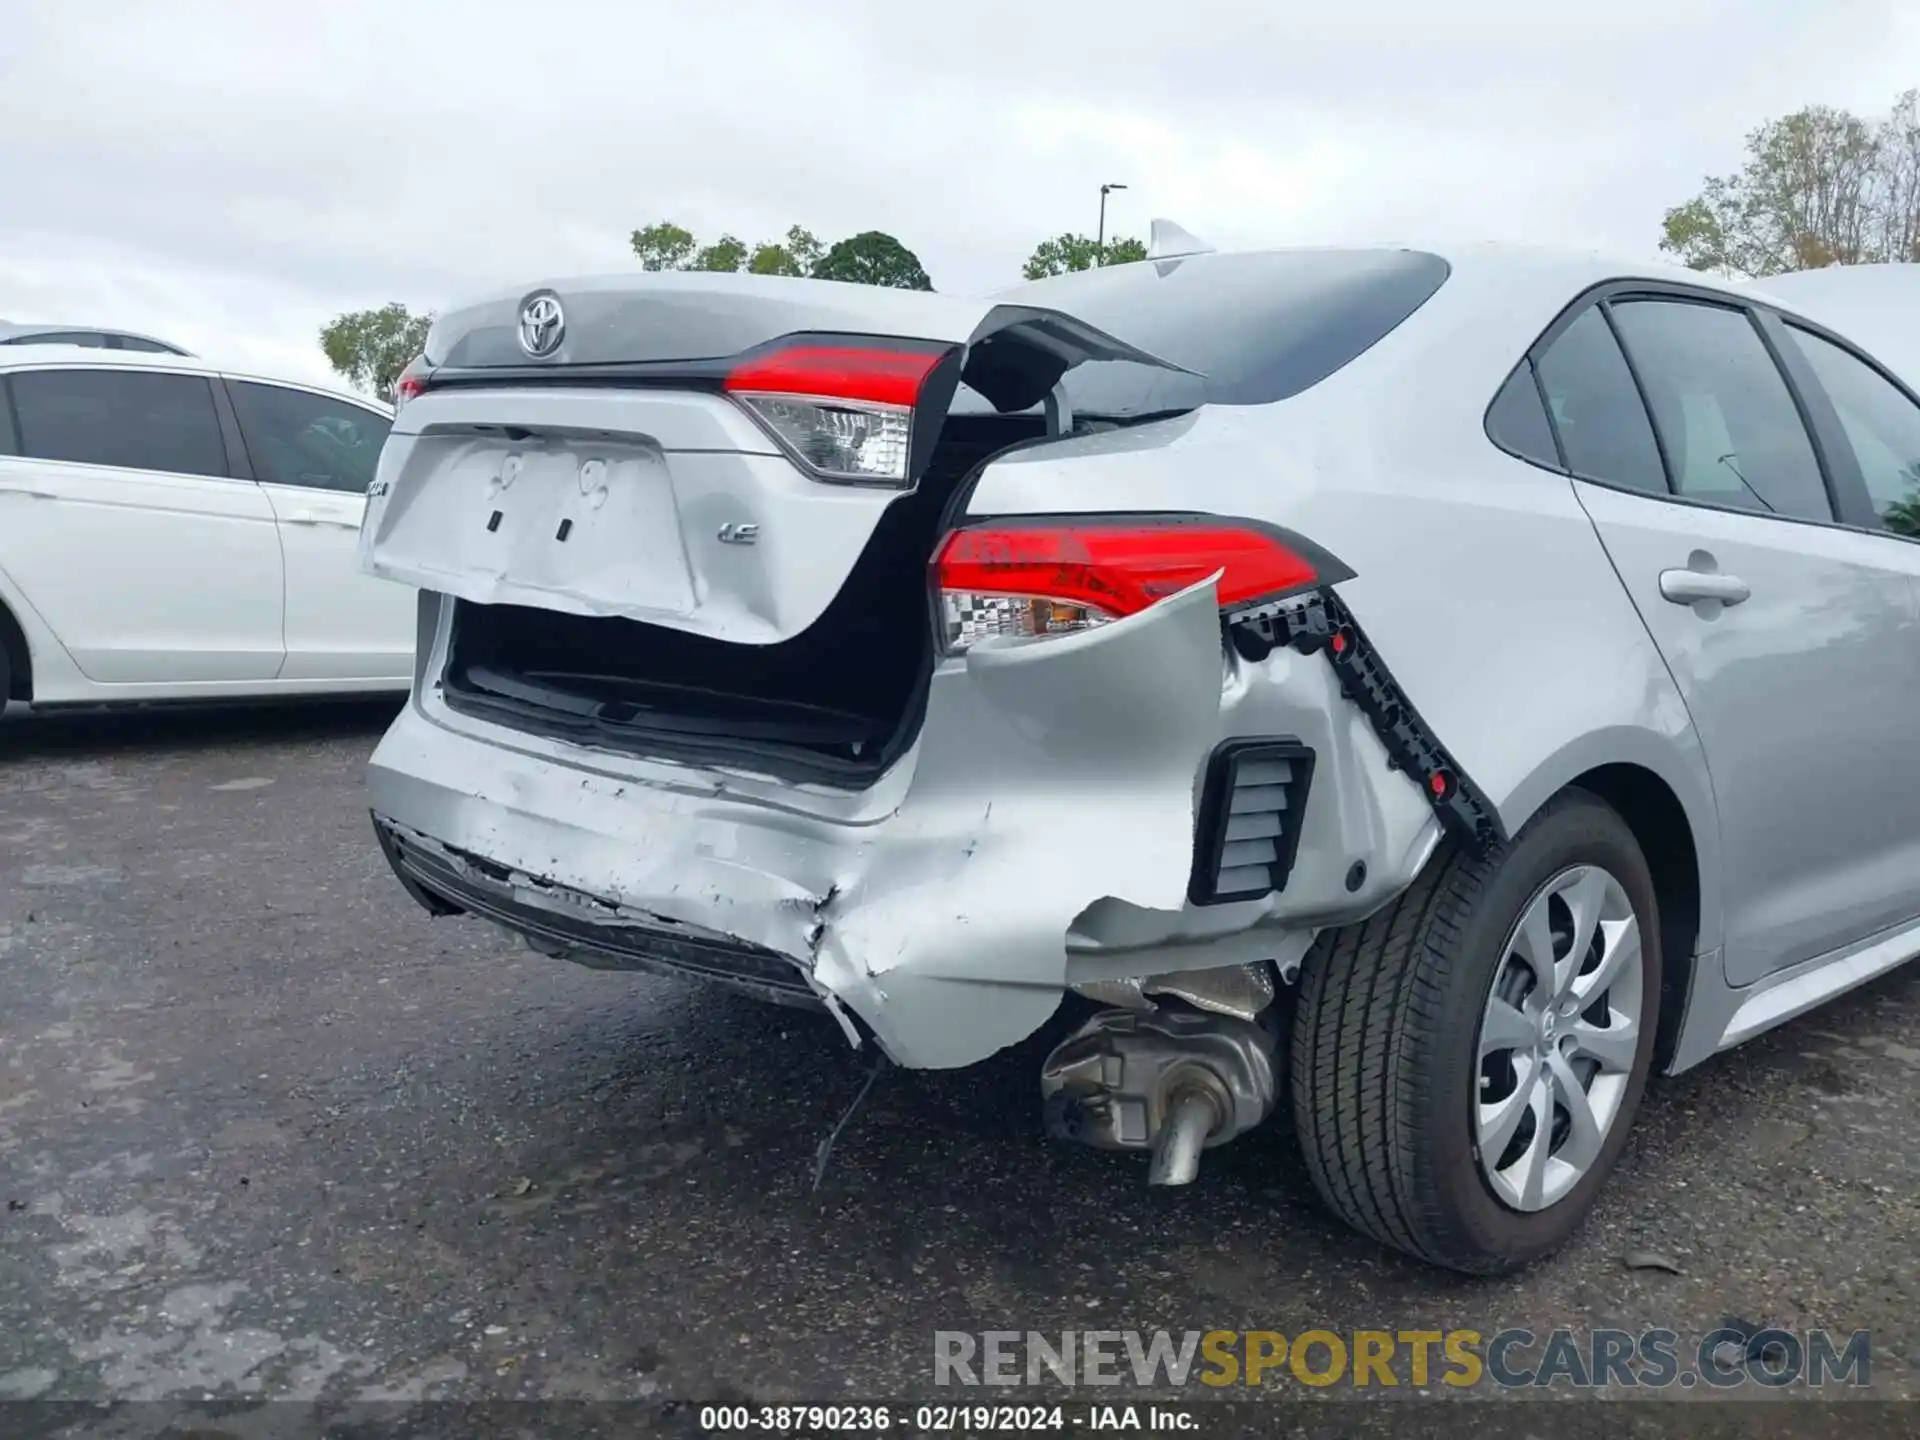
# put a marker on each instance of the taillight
(412, 382)
(844, 410)
(1048, 579)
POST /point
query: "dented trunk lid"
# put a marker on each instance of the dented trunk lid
(613, 476)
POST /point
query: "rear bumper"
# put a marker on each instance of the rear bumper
(600, 934)
(1040, 834)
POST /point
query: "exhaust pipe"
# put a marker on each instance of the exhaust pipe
(1170, 1081)
(1176, 1150)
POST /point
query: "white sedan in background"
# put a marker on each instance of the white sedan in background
(170, 531)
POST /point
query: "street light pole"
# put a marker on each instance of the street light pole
(1100, 244)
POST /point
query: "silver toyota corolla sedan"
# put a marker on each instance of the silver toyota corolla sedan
(1429, 689)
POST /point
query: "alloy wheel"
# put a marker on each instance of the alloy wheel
(1558, 1038)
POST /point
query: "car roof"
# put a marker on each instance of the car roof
(1521, 287)
(29, 353)
(12, 330)
(1875, 306)
(87, 357)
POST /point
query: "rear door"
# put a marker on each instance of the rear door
(1793, 636)
(123, 523)
(314, 455)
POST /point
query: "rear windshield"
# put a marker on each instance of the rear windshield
(1260, 327)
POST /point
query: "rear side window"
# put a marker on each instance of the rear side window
(9, 442)
(1882, 425)
(1517, 420)
(295, 437)
(120, 417)
(1597, 412)
(1260, 327)
(1733, 434)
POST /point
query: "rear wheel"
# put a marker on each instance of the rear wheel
(1466, 1064)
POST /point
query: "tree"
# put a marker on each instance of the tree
(873, 258)
(371, 347)
(663, 247)
(1900, 175)
(796, 256)
(1069, 252)
(1820, 187)
(726, 254)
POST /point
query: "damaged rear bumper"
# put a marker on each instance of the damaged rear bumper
(1040, 835)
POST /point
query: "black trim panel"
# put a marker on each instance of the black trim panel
(239, 458)
(1216, 796)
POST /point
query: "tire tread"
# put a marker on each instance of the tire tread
(1370, 1004)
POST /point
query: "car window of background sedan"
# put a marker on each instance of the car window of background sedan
(128, 418)
(88, 339)
(1732, 431)
(296, 437)
(1881, 423)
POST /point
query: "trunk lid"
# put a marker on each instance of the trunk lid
(575, 448)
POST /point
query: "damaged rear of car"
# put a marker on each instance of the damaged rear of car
(701, 571)
(926, 659)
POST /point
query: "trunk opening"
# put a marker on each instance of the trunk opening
(836, 704)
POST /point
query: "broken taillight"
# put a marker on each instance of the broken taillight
(1029, 579)
(846, 411)
(412, 381)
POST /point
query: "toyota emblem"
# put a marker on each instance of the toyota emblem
(543, 325)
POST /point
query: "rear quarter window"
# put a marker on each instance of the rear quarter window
(1517, 420)
(1261, 327)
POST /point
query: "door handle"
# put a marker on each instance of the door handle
(28, 494)
(307, 517)
(1688, 587)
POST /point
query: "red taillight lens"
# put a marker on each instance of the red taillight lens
(412, 383)
(845, 410)
(838, 372)
(1051, 579)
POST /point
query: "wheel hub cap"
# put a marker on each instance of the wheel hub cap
(1559, 1038)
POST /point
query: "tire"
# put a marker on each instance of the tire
(1387, 1082)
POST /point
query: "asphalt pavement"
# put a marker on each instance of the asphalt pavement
(268, 1131)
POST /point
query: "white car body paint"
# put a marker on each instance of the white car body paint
(133, 585)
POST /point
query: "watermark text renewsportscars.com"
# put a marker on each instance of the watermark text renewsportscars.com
(1514, 1358)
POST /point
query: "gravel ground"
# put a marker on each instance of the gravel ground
(268, 1131)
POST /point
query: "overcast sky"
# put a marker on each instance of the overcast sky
(234, 174)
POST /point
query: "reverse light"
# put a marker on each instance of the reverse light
(845, 411)
(1032, 580)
